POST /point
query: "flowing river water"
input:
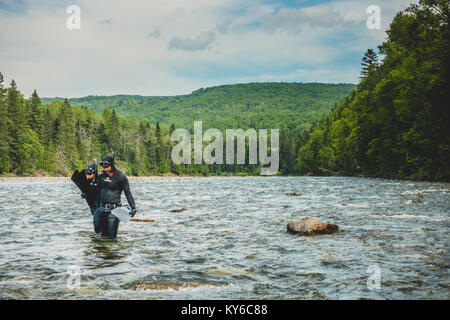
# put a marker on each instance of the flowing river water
(230, 242)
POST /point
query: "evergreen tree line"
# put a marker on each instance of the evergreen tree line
(396, 123)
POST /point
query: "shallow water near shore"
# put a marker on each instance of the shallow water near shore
(230, 242)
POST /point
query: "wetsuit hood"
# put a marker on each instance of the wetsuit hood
(107, 160)
(90, 169)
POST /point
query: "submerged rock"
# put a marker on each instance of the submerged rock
(308, 226)
(294, 194)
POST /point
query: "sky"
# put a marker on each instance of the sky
(170, 47)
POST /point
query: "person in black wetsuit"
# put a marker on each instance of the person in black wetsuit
(91, 193)
(87, 181)
(112, 182)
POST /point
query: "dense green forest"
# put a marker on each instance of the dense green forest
(396, 123)
(56, 138)
(285, 106)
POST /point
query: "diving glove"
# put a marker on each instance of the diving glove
(83, 195)
(133, 212)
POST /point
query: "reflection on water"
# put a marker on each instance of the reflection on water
(104, 250)
(230, 242)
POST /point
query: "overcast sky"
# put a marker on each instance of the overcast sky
(168, 47)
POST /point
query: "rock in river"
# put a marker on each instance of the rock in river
(308, 226)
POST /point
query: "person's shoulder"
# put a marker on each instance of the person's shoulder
(119, 173)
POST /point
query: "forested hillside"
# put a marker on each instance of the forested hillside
(56, 138)
(397, 123)
(285, 106)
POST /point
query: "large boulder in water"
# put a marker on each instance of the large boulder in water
(308, 226)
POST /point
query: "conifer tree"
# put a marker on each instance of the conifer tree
(66, 143)
(114, 133)
(35, 116)
(102, 138)
(15, 125)
(4, 134)
(369, 61)
(158, 149)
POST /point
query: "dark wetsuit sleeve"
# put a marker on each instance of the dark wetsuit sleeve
(99, 187)
(92, 194)
(126, 189)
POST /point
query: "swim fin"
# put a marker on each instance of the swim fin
(80, 181)
(79, 178)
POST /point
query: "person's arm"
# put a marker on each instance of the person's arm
(126, 189)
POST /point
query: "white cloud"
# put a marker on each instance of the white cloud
(121, 49)
(201, 42)
(293, 20)
(224, 26)
(155, 33)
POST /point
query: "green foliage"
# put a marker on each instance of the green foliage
(285, 106)
(396, 124)
(66, 139)
(4, 132)
(35, 114)
(77, 135)
(369, 62)
(16, 125)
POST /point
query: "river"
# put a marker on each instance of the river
(230, 242)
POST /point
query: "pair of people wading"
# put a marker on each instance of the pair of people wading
(103, 194)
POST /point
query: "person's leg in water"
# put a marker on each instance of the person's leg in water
(97, 220)
(101, 216)
(112, 226)
(105, 223)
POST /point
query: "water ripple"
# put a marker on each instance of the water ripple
(230, 242)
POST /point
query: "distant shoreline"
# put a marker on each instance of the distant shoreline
(130, 178)
(188, 177)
